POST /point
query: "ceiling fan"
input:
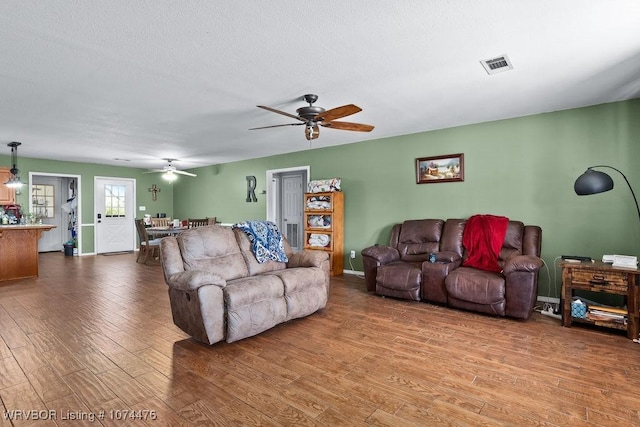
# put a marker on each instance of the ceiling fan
(169, 172)
(313, 116)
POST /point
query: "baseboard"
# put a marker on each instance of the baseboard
(354, 272)
(549, 299)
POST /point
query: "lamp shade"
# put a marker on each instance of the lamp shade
(592, 182)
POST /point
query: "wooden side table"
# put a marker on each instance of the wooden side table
(600, 277)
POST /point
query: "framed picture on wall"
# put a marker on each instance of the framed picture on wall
(436, 169)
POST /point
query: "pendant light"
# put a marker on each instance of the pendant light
(14, 180)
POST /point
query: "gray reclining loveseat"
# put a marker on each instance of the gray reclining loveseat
(219, 291)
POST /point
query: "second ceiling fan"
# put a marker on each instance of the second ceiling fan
(313, 116)
(169, 172)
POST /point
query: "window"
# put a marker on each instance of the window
(43, 200)
(115, 201)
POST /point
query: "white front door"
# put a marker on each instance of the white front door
(114, 210)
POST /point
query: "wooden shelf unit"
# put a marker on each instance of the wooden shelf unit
(324, 216)
(604, 278)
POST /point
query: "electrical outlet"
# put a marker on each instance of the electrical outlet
(353, 254)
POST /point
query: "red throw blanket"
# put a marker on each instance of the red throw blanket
(483, 237)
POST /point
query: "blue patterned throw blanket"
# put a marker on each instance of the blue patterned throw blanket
(266, 240)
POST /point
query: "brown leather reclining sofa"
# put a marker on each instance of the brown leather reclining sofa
(403, 270)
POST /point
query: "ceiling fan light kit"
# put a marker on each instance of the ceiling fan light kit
(169, 172)
(169, 176)
(313, 116)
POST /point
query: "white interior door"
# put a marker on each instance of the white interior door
(276, 204)
(292, 209)
(114, 210)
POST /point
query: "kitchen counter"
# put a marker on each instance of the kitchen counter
(19, 250)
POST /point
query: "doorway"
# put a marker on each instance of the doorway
(114, 208)
(285, 202)
(54, 199)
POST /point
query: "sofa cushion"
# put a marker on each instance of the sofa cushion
(513, 241)
(266, 240)
(400, 275)
(252, 263)
(419, 238)
(477, 286)
(304, 290)
(254, 304)
(212, 248)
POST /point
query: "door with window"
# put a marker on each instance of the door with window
(46, 201)
(114, 215)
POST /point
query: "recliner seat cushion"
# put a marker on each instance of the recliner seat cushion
(253, 304)
(477, 286)
(400, 275)
(304, 290)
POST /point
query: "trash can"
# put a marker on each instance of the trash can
(68, 249)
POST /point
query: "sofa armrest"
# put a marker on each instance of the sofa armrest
(372, 258)
(521, 285)
(449, 258)
(307, 258)
(193, 279)
(434, 275)
(382, 254)
(522, 263)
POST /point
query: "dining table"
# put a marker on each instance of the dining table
(157, 232)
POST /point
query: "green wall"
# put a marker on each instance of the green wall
(523, 168)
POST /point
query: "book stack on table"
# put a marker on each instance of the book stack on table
(607, 314)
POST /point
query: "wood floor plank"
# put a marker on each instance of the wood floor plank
(90, 389)
(15, 337)
(23, 397)
(10, 373)
(95, 333)
(128, 390)
(4, 349)
(48, 384)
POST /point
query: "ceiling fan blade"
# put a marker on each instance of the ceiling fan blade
(154, 171)
(273, 110)
(277, 126)
(358, 127)
(337, 113)
(184, 173)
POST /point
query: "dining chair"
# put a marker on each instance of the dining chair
(197, 222)
(161, 222)
(147, 246)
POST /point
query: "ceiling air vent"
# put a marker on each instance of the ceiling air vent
(497, 65)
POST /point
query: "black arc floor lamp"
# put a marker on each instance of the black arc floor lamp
(593, 182)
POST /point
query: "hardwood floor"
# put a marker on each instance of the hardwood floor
(95, 334)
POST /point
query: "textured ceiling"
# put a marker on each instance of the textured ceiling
(92, 81)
